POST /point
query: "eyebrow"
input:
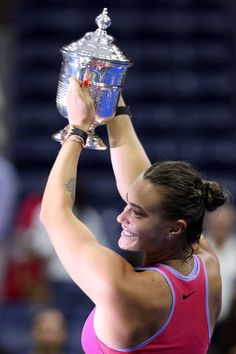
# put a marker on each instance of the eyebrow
(135, 205)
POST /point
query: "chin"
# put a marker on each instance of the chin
(128, 245)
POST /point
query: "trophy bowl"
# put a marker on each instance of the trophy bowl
(94, 56)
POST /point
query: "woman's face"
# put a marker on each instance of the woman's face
(143, 227)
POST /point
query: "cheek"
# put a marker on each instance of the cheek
(141, 227)
(154, 234)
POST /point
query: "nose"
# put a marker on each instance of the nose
(122, 217)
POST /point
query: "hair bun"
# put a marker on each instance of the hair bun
(213, 195)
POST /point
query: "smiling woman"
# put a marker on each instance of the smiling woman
(168, 202)
(172, 303)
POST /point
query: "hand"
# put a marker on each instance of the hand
(121, 102)
(80, 105)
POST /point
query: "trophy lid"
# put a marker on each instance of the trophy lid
(98, 44)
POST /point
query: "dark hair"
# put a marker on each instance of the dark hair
(186, 195)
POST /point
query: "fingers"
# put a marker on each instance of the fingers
(75, 84)
(79, 103)
(81, 87)
(87, 78)
(79, 92)
(86, 83)
(74, 88)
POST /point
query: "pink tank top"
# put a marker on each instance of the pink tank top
(187, 329)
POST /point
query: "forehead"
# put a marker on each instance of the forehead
(145, 194)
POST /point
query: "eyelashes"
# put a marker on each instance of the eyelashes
(136, 213)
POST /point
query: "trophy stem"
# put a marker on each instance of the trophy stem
(94, 142)
(57, 136)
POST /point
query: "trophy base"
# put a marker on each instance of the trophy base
(94, 142)
(57, 136)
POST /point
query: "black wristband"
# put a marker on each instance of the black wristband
(123, 111)
(80, 132)
(69, 130)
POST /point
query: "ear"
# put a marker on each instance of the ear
(178, 227)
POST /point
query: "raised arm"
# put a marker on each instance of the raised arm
(96, 269)
(127, 154)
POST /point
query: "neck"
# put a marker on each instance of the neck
(172, 255)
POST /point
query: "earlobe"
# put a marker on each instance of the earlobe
(178, 228)
(170, 236)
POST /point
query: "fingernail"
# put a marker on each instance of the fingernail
(86, 82)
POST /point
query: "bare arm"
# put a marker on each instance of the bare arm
(128, 157)
(96, 269)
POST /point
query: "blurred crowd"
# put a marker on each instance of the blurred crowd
(31, 271)
(221, 233)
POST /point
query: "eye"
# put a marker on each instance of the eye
(136, 212)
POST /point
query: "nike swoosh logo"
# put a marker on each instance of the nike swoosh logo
(186, 296)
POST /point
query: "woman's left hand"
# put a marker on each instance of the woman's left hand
(80, 105)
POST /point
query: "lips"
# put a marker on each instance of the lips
(127, 233)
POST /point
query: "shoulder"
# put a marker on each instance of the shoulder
(148, 291)
(210, 259)
(213, 278)
(144, 290)
(144, 284)
(143, 295)
(205, 250)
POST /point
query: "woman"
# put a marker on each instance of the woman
(168, 306)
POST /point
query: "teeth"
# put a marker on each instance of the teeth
(128, 234)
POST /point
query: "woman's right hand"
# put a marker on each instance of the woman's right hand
(121, 102)
(80, 105)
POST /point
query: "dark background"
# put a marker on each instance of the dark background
(181, 90)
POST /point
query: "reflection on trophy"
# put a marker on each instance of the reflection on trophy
(96, 57)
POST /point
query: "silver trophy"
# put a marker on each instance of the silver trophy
(96, 57)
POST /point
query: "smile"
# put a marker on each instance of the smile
(127, 233)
